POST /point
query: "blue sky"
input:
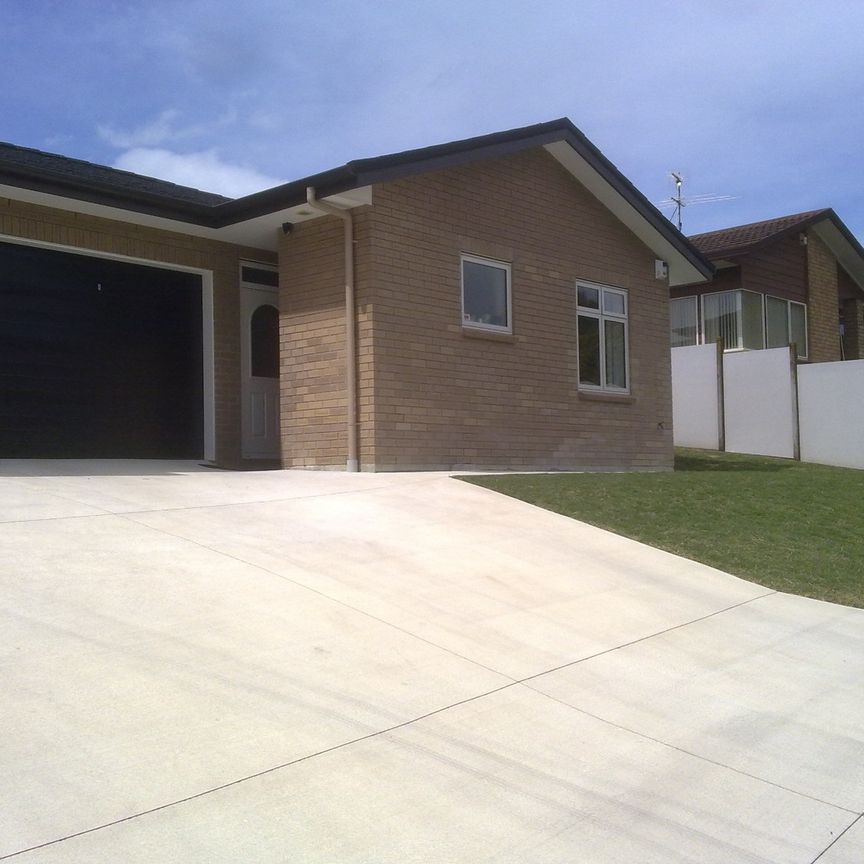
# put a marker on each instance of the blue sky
(757, 100)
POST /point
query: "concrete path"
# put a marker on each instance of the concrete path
(206, 666)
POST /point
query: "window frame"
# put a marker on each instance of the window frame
(739, 310)
(697, 336)
(799, 354)
(769, 297)
(601, 315)
(700, 319)
(806, 353)
(495, 264)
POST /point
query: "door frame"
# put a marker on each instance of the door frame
(246, 287)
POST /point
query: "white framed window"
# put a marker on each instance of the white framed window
(736, 317)
(785, 322)
(742, 319)
(603, 338)
(684, 321)
(486, 302)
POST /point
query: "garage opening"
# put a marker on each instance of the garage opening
(98, 358)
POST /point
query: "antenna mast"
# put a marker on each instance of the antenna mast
(678, 198)
(678, 202)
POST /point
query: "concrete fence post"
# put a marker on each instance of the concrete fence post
(796, 420)
(721, 400)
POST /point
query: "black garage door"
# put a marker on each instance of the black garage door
(98, 358)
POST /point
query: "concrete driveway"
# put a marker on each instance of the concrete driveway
(205, 666)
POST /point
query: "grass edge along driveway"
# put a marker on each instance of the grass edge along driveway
(791, 526)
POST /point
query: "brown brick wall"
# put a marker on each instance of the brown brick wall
(312, 339)
(822, 302)
(445, 400)
(79, 231)
(852, 306)
(847, 287)
(853, 321)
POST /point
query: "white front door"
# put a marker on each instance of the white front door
(260, 369)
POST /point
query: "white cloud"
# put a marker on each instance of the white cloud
(150, 134)
(202, 170)
(163, 130)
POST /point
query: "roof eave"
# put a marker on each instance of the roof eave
(843, 245)
(326, 183)
(740, 249)
(134, 201)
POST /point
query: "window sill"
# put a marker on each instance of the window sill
(606, 396)
(492, 335)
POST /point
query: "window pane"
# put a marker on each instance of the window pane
(751, 311)
(264, 338)
(588, 297)
(721, 318)
(683, 321)
(798, 319)
(616, 358)
(589, 350)
(777, 319)
(484, 294)
(260, 276)
(613, 303)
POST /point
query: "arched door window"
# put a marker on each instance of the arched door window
(264, 340)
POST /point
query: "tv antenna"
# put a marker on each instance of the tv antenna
(678, 202)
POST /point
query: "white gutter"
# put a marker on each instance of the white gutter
(352, 463)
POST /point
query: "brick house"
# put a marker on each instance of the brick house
(499, 302)
(797, 279)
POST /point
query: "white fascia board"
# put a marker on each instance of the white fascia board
(846, 254)
(261, 232)
(681, 271)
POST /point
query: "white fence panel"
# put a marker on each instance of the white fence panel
(831, 410)
(696, 420)
(760, 403)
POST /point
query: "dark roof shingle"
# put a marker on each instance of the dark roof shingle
(27, 159)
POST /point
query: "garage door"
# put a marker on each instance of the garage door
(98, 358)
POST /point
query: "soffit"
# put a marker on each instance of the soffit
(261, 232)
(848, 253)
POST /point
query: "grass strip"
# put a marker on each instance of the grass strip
(788, 525)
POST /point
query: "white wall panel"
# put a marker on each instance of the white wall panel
(831, 409)
(760, 402)
(696, 397)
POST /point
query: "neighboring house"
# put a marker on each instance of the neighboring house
(796, 279)
(500, 302)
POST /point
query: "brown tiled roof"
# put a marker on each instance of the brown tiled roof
(741, 238)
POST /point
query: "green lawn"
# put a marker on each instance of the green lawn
(787, 525)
